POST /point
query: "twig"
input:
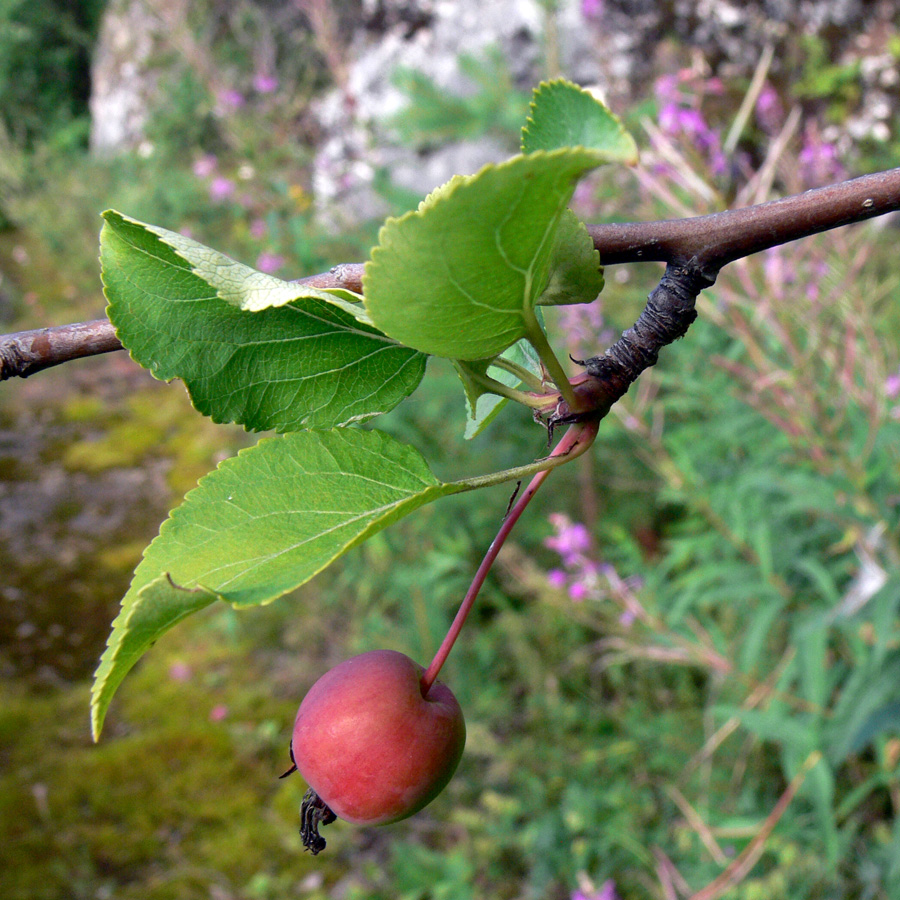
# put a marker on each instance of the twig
(26, 352)
(695, 249)
(710, 242)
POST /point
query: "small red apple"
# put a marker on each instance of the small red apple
(371, 747)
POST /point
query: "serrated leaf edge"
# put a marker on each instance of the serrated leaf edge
(449, 188)
(630, 160)
(107, 677)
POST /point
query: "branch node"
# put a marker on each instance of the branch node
(666, 317)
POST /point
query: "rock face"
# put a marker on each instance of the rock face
(123, 81)
(618, 46)
(428, 37)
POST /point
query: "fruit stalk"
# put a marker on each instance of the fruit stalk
(575, 441)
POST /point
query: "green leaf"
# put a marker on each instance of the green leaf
(565, 115)
(233, 282)
(576, 275)
(884, 719)
(459, 276)
(796, 732)
(263, 523)
(150, 612)
(251, 349)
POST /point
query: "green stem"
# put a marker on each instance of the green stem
(519, 473)
(520, 372)
(498, 387)
(576, 440)
(538, 340)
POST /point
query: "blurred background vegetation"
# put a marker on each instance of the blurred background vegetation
(698, 619)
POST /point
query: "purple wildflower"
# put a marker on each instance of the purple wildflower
(819, 162)
(205, 166)
(606, 891)
(769, 111)
(265, 84)
(687, 122)
(221, 188)
(232, 98)
(667, 90)
(557, 578)
(578, 591)
(269, 262)
(571, 541)
(892, 385)
(680, 97)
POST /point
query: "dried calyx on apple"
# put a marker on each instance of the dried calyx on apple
(372, 746)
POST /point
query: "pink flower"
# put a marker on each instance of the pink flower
(557, 578)
(606, 891)
(221, 188)
(205, 166)
(180, 671)
(675, 120)
(571, 541)
(892, 385)
(666, 88)
(265, 84)
(218, 712)
(819, 162)
(258, 228)
(232, 98)
(769, 112)
(578, 591)
(269, 262)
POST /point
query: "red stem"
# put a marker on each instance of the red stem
(576, 440)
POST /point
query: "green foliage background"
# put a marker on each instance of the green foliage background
(45, 53)
(739, 493)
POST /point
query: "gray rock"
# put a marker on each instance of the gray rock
(124, 81)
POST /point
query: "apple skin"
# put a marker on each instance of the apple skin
(370, 745)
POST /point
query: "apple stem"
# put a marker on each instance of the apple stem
(575, 441)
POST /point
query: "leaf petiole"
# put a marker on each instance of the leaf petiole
(526, 377)
(491, 385)
(536, 337)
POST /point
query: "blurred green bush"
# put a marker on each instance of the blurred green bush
(45, 58)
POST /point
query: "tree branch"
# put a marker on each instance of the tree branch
(713, 241)
(26, 352)
(695, 249)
